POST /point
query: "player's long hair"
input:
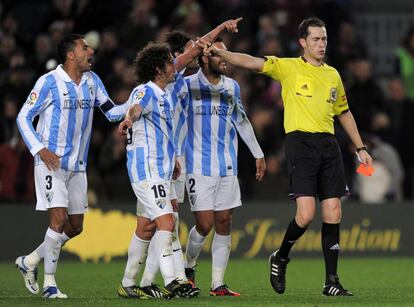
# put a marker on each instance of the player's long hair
(152, 57)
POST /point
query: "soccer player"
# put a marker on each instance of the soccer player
(215, 112)
(313, 94)
(179, 43)
(151, 157)
(64, 100)
(140, 241)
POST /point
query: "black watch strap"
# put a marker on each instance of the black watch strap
(362, 148)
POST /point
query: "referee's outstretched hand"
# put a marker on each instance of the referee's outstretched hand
(260, 168)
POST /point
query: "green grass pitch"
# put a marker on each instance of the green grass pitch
(374, 281)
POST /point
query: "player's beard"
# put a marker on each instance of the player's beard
(215, 69)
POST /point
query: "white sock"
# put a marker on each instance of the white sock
(178, 256)
(33, 259)
(221, 252)
(137, 253)
(64, 238)
(194, 246)
(152, 265)
(49, 281)
(51, 247)
(163, 243)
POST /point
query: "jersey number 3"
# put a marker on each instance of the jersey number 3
(48, 182)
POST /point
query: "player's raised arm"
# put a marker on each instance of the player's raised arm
(183, 60)
(238, 59)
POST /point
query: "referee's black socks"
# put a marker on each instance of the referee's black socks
(293, 233)
(330, 247)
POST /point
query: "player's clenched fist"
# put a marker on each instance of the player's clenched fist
(124, 126)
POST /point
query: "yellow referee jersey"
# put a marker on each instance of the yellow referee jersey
(311, 95)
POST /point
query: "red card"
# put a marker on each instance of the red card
(365, 170)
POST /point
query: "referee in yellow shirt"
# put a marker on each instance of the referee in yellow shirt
(313, 94)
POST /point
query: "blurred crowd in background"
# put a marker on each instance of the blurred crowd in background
(383, 105)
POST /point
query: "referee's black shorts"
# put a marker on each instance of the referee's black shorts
(315, 165)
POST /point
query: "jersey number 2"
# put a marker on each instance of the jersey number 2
(191, 183)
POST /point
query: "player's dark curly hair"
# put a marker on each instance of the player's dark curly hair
(151, 57)
(306, 23)
(177, 41)
(67, 44)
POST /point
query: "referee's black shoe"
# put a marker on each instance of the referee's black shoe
(334, 288)
(278, 272)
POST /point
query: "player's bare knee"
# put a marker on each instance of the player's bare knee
(223, 225)
(165, 222)
(58, 222)
(145, 232)
(203, 228)
(168, 226)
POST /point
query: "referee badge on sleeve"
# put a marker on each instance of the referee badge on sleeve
(333, 94)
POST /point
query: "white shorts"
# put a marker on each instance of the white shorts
(173, 194)
(179, 188)
(213, 193)
(153, 198)
(61, 188)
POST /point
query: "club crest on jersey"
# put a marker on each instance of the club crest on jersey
(232, 104)
(333, 94)
(90, 90)
(49, 196)
(138, 95)
(31, 100)
(161, 202)
(192, 198)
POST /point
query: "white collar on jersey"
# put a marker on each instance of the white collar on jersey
(182, 72)
(218, 87)
(156, 88)
(64, 76)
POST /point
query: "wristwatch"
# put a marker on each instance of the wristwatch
(362, 148)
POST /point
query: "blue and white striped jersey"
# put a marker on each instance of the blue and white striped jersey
(179, 95)
(151, 150)
(212, 143)
(65, 112)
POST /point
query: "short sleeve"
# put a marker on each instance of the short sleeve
(341, 104)
(276, 68)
